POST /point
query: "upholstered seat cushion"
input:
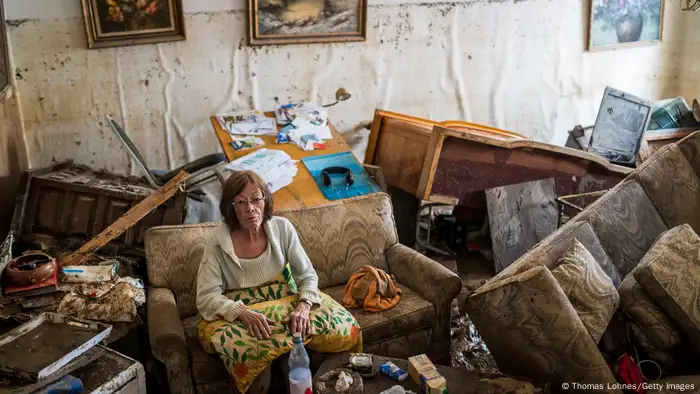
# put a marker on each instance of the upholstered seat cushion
(626, 223)
(552, 248)
(206, 368)
(670, 273)
(660, 333)
(413, 312)
(671, 183)
(591, 292)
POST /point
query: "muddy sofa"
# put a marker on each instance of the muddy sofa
(526, 319)
(339, 238)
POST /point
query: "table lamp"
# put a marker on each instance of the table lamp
(341, 94)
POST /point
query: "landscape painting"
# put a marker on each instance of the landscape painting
(131, 22)
(305, 21)
(4, 53)
(616, 23)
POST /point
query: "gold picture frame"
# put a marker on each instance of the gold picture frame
(279, 22)
(112, 23)
(625, 23)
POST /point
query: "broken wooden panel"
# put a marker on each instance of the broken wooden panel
(67, 205)
(464, 166)
(520, 216)
(126, 221)
(398, 145)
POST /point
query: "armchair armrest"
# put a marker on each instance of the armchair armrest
(428, 278)
(167, 337)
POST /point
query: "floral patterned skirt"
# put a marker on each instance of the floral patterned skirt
(333, 329)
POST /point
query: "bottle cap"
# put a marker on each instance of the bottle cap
(296, 336)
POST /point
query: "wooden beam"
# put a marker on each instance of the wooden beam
(131, 217)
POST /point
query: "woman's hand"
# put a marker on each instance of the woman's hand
(257, 323)
(300, 319)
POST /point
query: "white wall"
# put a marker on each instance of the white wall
(520, 66)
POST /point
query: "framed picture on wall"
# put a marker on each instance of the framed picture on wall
(111, 23)
(274, 22)
(618, 23)
(4, 53)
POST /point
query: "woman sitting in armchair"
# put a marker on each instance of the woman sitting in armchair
(256, 287)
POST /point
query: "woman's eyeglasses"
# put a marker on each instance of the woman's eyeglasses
(257, 201)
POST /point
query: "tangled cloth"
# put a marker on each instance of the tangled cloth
(372, 289)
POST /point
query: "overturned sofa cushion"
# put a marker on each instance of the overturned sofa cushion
(670, 273)
(660, 333)
(532, 330)
(588, 288)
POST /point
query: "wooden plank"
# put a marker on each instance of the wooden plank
(520, 216)
(132, 216)
(425, 183)
(303, 191)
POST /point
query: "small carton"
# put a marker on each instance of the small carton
(418, 364)
(431, 382)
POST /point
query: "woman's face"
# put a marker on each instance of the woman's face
(249, 206)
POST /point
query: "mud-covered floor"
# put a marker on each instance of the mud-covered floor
(468, 350)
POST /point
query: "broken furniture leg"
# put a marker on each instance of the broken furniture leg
(131, 217)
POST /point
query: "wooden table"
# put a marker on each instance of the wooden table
(303, 191)
(458, 380)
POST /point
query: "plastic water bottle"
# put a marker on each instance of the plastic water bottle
(299, 371)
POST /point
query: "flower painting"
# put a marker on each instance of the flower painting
(306, 21)
(130, 22)
(625, 22)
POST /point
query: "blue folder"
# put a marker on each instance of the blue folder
(338, 190)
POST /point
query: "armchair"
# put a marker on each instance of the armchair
(339, 238)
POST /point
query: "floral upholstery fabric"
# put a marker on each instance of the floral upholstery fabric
(670, 273)
(588, 288)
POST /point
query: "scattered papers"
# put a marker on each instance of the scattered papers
(248, 123)
(275, 167)
(243, 143)
(313, 113)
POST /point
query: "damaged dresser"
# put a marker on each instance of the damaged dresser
(64, 206)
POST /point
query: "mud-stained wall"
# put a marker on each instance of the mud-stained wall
(12, 159)
(517, 65)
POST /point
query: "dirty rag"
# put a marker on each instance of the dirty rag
(372, 289)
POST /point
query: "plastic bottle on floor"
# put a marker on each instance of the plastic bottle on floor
(299, 371)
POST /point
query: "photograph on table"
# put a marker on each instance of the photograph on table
(110, 23)
(274, 22)
(619, 23)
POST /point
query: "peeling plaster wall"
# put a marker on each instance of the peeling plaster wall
(517, 65)
(12, 160)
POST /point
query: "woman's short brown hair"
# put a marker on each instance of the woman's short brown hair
(234, 185)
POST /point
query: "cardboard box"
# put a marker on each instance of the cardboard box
(431, 382)
(418, 364)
